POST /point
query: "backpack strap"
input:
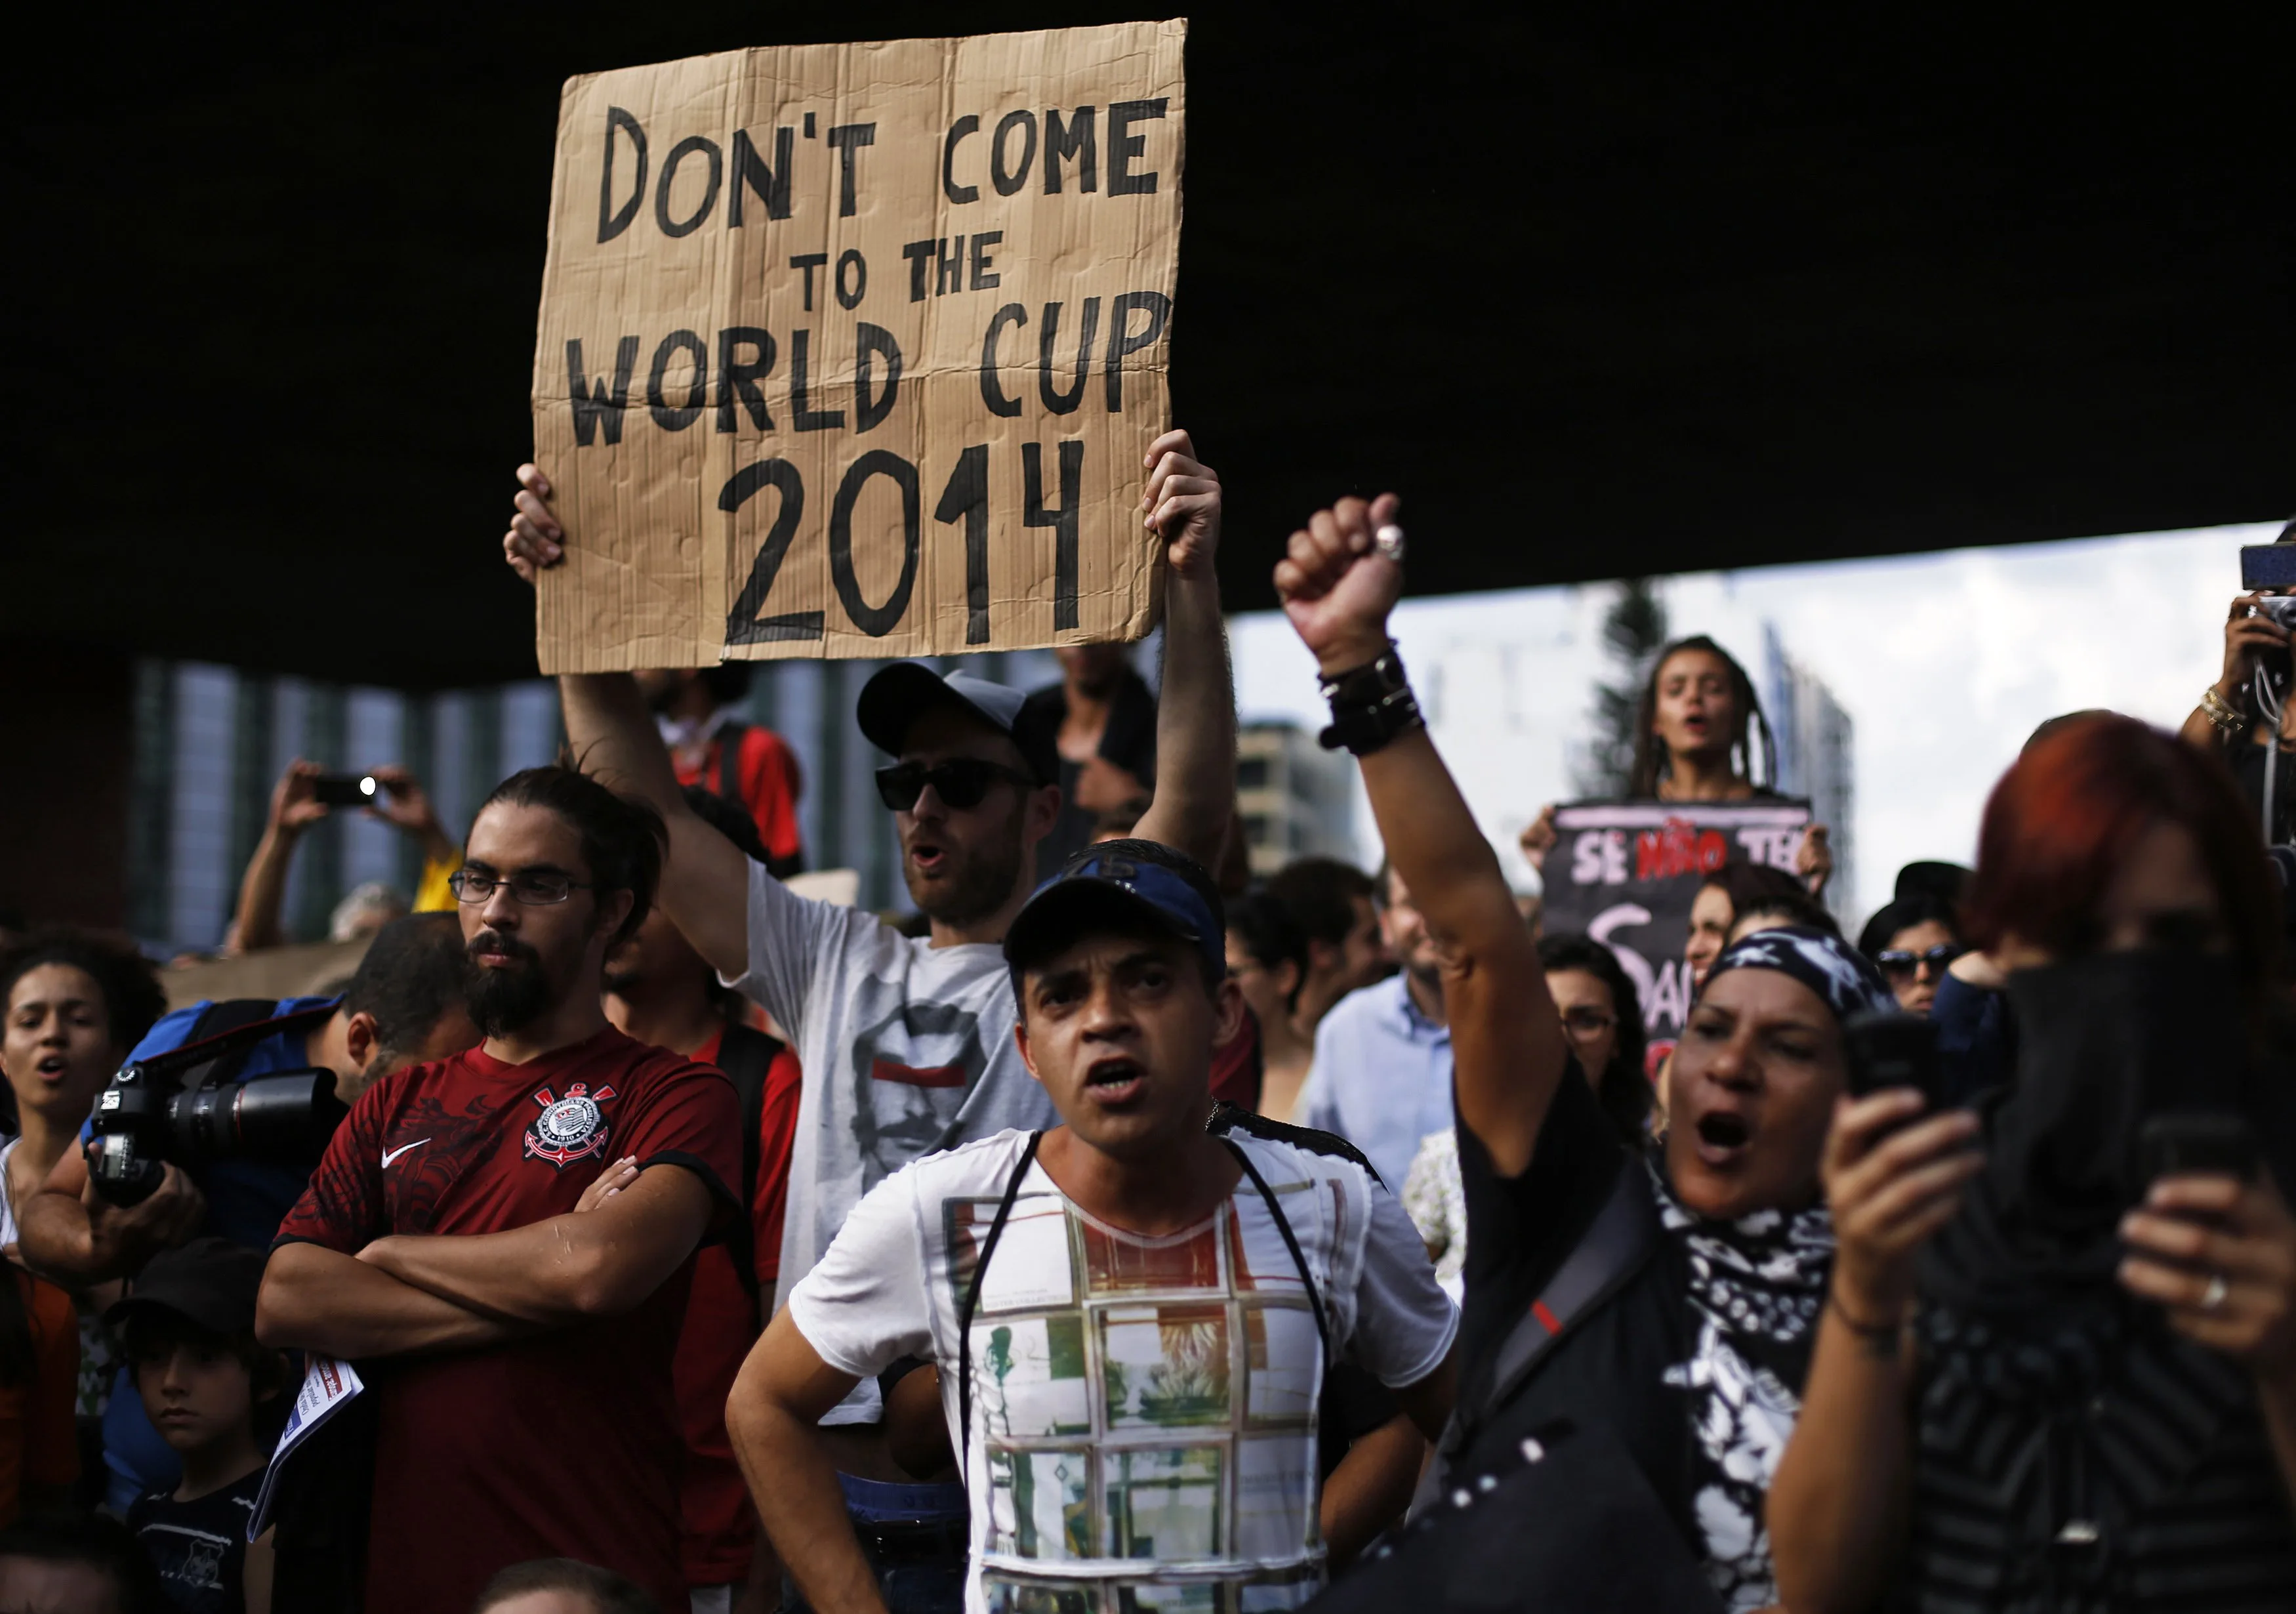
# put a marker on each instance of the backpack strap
(1227, 1118)
(224, 1033)
(747, 1055)
(1291, 1242)
(729, 740)
(971, 1302)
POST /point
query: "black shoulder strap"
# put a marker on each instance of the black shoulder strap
(971, 1301)
(1291, 1242)
(1615, 1244)
(729, 737)
(225, 1032)
(1227, 1118)
(746, 1055)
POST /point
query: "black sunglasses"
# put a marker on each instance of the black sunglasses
(960, 783)
(1897, 961)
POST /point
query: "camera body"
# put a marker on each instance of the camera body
(151, 1115)
(2279, 608)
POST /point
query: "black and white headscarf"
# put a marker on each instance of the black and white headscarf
(1841, 975)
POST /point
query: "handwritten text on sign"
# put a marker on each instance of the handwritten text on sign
(1626, 874)
(856, 349)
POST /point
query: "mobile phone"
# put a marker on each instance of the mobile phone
(1889, 1048)
(344, 789)
(2267, 566)
(2197, 1140)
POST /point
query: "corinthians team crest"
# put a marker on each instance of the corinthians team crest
(571, 1128)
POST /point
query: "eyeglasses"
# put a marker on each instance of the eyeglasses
(1900, 962)
(1587, 1022)
(535, 888)
(960, 783)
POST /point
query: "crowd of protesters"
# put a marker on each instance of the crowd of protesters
(1117, 1232)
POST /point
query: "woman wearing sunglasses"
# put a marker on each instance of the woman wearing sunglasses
(1912, 942)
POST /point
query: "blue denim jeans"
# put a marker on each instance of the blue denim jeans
(914, 1537)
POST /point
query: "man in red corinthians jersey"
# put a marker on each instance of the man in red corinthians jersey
(516, 1329)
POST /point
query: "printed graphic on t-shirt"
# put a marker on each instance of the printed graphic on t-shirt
(913, 1064)
(1144, 1399)
(198, 1547)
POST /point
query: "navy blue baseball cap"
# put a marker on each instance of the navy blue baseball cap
(1128, 881)
(892, 700)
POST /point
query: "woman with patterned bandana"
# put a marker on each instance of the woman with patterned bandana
(1652, 1401)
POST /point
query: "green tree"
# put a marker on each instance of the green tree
(1634, 629)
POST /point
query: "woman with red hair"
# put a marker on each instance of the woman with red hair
(2047, 1378)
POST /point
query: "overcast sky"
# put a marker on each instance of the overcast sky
(1945, 661)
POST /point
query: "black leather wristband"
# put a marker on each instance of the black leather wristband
(1371, 705)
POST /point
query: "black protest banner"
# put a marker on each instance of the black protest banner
(1626, 874)
(856, 349)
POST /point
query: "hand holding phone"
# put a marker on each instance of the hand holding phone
(344, 789)
(2185, 1142)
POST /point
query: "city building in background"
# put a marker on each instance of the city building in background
(1296, 798)
(1817, 758)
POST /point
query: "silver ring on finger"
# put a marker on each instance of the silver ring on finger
(2212, 1298)
(1388, 541)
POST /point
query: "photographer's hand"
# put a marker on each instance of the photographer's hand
(2247, 634)
(122, 1237)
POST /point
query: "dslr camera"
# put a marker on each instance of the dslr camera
(182, 1106)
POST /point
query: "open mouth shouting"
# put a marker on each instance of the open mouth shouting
(928, 857)
(1116, 1082)
(1724, 1138)
(53, 1068)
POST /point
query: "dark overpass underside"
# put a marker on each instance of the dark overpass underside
(1652, 291)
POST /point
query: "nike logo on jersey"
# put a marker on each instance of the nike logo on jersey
(389, 1155)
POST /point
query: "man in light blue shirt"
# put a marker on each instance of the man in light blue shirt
(1382, 1076)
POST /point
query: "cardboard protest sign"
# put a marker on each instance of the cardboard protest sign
(1625, 873)
(856, 349)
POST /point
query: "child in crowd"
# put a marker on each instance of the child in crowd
(190, 1335)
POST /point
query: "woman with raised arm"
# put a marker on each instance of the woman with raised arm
(2057, 1373)
(1636, 1325)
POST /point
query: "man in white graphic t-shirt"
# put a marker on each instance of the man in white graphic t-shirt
(1132, 1315)
(907, 1044)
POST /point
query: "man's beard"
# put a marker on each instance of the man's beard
(981, 883)
(504, 1000)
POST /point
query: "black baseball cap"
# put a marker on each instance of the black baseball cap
(213, 1281)
(892, 699)
(1128, 881)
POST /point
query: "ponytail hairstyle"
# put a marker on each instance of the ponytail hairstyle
(1651, 761)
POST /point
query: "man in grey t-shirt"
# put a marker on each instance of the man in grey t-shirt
(907, 1043)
